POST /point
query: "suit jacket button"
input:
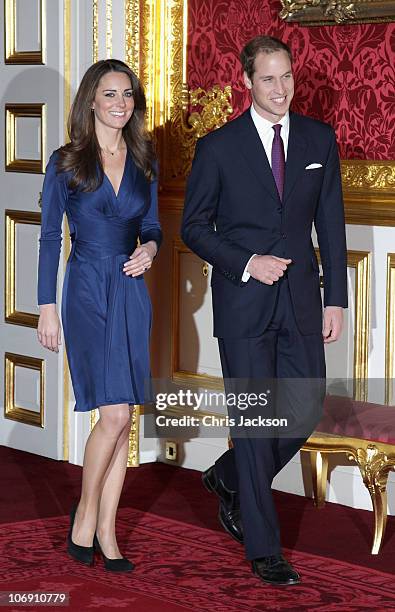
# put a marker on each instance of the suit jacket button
(283, 236)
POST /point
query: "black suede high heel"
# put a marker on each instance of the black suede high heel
(83, 554)
(113, 565)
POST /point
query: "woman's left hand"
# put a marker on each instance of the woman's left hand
(141, 259)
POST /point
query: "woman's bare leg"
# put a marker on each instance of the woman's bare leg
(111, 492)
(99, 450)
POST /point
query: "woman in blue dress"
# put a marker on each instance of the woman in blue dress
(105, 181)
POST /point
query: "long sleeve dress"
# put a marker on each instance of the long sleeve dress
(106, 315)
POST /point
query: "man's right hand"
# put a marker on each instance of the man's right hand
(48, 330)
(267, 269)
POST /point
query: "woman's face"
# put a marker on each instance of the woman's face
(113, 104)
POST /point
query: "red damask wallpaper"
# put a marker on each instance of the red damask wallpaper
(345, 75)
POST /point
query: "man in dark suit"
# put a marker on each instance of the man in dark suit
(256, 186)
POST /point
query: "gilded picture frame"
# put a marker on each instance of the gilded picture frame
(332, 12)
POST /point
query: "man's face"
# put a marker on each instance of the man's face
(271, 85)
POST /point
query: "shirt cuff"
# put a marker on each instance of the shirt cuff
(246, 275)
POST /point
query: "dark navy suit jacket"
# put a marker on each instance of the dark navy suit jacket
(232, 210)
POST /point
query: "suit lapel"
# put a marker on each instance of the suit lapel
(295, 163)
(252, 149)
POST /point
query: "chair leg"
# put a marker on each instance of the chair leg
(379, 501)
(375, 466)
(319, 469)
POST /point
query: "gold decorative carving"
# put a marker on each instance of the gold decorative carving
(95, 31)
(18, 413)
(132, 34)
(321, 12)
(390, 330)
(108, 28)
(134, 439)
(369, 192)
(187, 127)
(216, 108)
(336, 10)
(378, 175)
(12, 315)
(149, 61)
(12, 55)
(374, 466)
(163, 40)
(14, 112)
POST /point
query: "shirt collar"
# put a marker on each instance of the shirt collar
(264, 125)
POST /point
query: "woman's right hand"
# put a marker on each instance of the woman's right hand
(48, 330)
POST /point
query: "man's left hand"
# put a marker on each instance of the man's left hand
(332, 324)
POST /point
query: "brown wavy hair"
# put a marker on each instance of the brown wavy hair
(81, 156)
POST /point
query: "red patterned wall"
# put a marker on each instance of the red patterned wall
(345, 75)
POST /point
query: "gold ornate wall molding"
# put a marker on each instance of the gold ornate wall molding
(13, 113)
(11, 409)
(95, 31)
(377, 175)
(187, 125)
(369, 192)
(108, 28)
(132, 34)
(390, 330)
(12, 218)
(360, 261)
(12, 55)
(330, 12)
(161, 48)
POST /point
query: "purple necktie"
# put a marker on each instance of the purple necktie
(278, 159)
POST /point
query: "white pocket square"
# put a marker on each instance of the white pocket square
(313, 166)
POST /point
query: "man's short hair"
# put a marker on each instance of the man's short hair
(261, 44)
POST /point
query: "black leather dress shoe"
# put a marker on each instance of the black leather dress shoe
(229, 506)
(275, 570)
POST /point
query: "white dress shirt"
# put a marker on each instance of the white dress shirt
(266, 134)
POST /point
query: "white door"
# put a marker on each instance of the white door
(31, 126)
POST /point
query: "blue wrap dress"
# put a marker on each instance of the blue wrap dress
(106, 315)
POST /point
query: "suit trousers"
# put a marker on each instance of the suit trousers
(249, 468)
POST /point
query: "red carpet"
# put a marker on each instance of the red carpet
(331, 545)
(178, 567)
